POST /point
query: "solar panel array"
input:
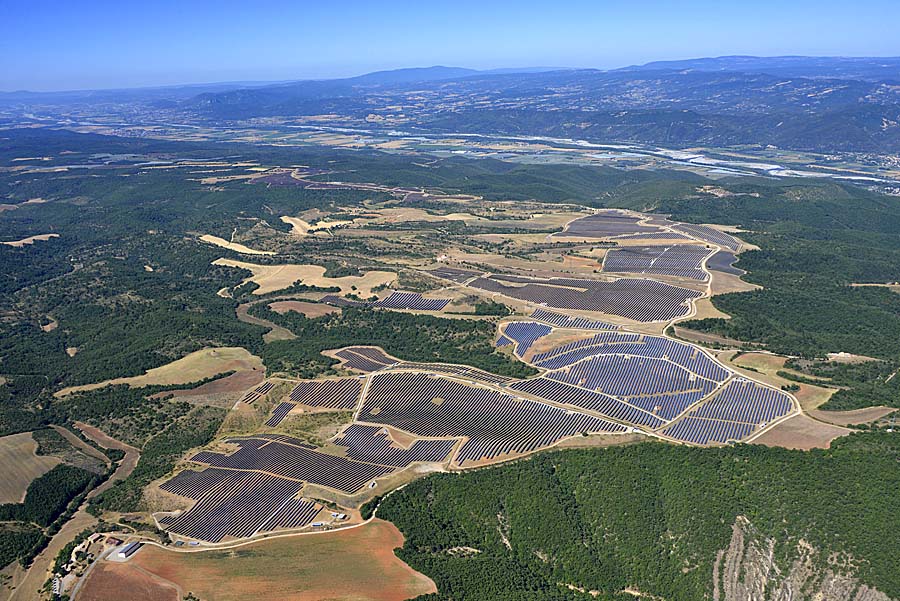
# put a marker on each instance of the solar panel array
(494, 423)
(294, 461)
(342, 393)
(257, 393)
(412, 300)
(638, 299)
(709, 234)
(704, 431)
(238, 506)
(724, 261)
(340, 301)
(525, 333)
(295, 513)
(279, 413)
(503, 341)
(620, 343)
(659, 235)
(746, 401)
(740, 408)
(397, 300)
(604, 224)
(453, 274)
(365, 358)
(655, 385)
(564, 321)
(681, 260)
(462, 371)
(372, 444)
(566, 394)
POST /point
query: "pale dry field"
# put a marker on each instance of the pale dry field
(272, 278)
(239, 248)
(30, 240)
(199, 365)
(21, 466)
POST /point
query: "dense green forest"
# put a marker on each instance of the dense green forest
(159, 456)
(648, 516)
(27, 526)
(403, 335)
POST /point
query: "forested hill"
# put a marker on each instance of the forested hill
(655, 518)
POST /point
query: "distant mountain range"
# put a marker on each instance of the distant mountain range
(812, 103)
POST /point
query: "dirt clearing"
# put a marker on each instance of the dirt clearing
(108, 580)
(21, 466)
(853, 417)
(272, 278)
(304, 308)
(30, 240)
(199, 365)
(357, 564)
(801, 432)
(238, 248)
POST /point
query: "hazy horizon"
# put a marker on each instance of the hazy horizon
(58, 46)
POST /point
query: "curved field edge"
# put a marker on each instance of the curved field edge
(356, 564)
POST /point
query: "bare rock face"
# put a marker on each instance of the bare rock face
(747, 571)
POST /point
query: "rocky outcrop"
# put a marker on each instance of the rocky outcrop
(747, 571)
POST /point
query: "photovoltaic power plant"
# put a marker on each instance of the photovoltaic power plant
(462, 371)
(604, 224)
(682, 260)
(495, 424)
(279, 413)
(564, 321)
(412, 300)
(372, 444)
(295, 461)
(342, 393)
(397, 300)
(637, 299)
(365, 358)
(709, 234)
(525, 333)
(454, 274)
(735, 412)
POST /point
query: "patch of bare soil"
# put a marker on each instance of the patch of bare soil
(852, 418)
(108, 580)
(239, 381)
(305, 308)
(801, 432)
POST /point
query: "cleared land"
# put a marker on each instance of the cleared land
(239, 248)
(801, 432)
(30, 240)
(271, 278)
(21, 466)
(109, 579)
(199, 365)
(854, 417)
(303, 307)
(355, 564)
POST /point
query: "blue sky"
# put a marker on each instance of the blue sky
(84, 44)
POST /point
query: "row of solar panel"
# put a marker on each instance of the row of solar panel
(494, 423)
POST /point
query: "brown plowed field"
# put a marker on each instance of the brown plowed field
(357, 564)
(801, 432)
(306, 309)
(113, 581)
(854, 417)
(239, 381)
